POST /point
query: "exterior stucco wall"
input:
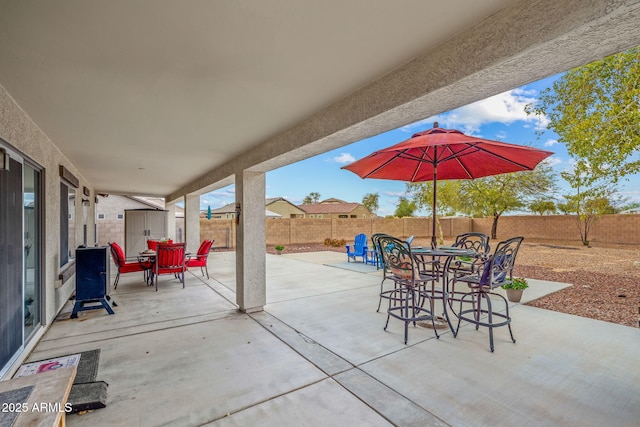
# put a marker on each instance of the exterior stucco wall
(17, 128)
(287, 210)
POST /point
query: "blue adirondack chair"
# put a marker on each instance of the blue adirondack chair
(358, 249)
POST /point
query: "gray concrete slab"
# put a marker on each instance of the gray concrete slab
(318, 355)
(563, 370)
(323, 404)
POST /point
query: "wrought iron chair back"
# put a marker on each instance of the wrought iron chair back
(490, 309)
(398, 259)
(498, 270)
(409, 301)
(479, 242)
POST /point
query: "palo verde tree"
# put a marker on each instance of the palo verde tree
(405, 208)
(589, 202)
(491, 196)
(595, 110)
(311, 199)
(542, 207)
(421, 193)
(370, 201)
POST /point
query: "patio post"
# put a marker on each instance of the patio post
(192, 222)
(250, 241)
(171, 230)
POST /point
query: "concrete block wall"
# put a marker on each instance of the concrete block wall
(278, 232)
(221, 231)
(305, 230)
(620, 229)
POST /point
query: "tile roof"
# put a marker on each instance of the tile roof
(336, 208)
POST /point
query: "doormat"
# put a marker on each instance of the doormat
(13, 399)
(86, 393)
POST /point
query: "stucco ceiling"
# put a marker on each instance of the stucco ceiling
(166, 98)
(144, 96)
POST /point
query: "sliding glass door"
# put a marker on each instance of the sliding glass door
(20, 253)
(11, 285)
(32, 236)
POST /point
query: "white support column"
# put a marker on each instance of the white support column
(251, 289)
(192, 222)
(171, 222)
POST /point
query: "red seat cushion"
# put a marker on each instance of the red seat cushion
(200, 260)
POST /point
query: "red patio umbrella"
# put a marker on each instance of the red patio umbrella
(446, 154)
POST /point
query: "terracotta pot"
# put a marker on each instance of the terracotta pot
(514, 295)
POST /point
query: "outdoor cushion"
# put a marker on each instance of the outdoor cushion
(486, 278)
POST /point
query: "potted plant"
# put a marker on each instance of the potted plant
(279, 249)
(515, 288)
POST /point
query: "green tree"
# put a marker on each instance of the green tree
(588, 203)
(491, 196)
(594, 110)
(405, 208)
(370, 201)
(542, 207)
(628, 207)
(311, 199)
(448, 192)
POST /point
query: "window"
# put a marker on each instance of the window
(68, 185)
(311, 216)
(354, 216)
(120, 216)
(67, 223)
(319, 215)
(101, 216)
(343, 216)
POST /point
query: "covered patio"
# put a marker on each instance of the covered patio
(317, 355)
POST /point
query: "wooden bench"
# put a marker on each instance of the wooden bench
(46, 405)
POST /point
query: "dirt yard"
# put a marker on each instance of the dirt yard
(605, 278)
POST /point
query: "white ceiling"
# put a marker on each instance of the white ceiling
(168, 97)
(131, 89)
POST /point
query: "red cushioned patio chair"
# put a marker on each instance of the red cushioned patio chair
(200, 259)
(170, 259)
(125, 265)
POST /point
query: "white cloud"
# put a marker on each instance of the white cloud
(507, 108)
(395, 193)
(552, 161)
(344, 158)
(218, 198)
(551, 143)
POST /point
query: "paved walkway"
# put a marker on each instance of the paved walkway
(318, 356)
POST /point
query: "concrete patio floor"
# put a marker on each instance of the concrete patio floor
(318, 356)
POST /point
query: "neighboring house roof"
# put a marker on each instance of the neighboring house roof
(330, 208)
(333, 200)
(228, 208)
(273, 200)
(231, 208)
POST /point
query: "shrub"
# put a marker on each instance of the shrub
(518, 283)
(334, 242)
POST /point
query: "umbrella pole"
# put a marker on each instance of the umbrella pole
(434, 243)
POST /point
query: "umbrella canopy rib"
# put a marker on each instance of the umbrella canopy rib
(439, 153)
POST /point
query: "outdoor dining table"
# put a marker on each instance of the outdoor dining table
(444, 255)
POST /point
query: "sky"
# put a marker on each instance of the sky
(500, 117)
